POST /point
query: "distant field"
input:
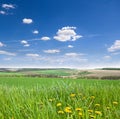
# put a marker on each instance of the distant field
(49, 72)
(58, 98)
(60, 72)
(63, 73)
(112, 74)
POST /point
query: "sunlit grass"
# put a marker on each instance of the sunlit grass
(37, 98)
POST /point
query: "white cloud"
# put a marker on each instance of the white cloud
(25, 43)
(2, 52)
(3, 12)
(70, 46)
(107, 57)
(27, 21)
(1, 44)
(8, 6)
(115, 46)
(35, 32)
(73, 54)
(32, 55)
(45, 38)
(67, 34)
(52, 51)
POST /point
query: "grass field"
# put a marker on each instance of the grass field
(55, 98)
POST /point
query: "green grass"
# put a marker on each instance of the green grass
(43, 98)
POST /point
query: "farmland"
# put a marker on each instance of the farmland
(23, 97)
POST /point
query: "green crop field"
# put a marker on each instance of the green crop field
(56, 98)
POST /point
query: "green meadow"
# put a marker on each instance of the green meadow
(57, 98)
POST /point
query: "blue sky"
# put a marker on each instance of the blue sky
(60, 33)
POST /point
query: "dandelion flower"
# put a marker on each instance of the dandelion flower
(50, 100)
(92, 97)
(60, 112)
(115, 103)
(90, 111)
(92, 116)
(80, 114)
(72, 95)
(78, 109)
(68, 110)
(97, 105)
(98, 112)
(108, 108)
(59, 104)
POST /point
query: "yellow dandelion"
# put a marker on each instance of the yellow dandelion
(80, 114)
(72, 95)
(97, 105)
(92, 97)
(78, 109)
(59, 104)
(90, 111)
(68, 110)
(92, 116)
(98, 112)
(50, 100)
(108, 108)
(60, 112)
(115, 103)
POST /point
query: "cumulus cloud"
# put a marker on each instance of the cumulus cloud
(3, 12)
(52, 51)
(27, 21)
(8, 6)
(32, 55)
(73, 54)
(25, 43)
(67, 34)
(2, 52)
(115, 46)
(35, 32)
(45, 38)
(70, 46)
(1, 44)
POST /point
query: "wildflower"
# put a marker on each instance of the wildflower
(97, 105)
(108, 108)
(59, 104)
(115, 103)
(78, 109)
(90, 111)
(60, 112)
(68, 110)
(80, 114)
(92, 97)
(98, 112)
(50, 100)
(92, 116)
(72, 95)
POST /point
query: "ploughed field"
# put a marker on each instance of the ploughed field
(58, 98)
